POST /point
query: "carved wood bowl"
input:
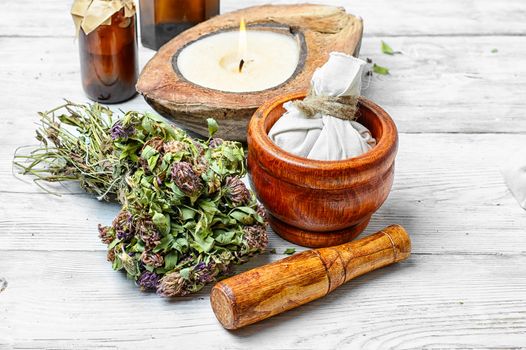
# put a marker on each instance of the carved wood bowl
(320, 203)
(318, 29)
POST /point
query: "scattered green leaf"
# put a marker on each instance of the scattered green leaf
(386, 49)
(289, 251)
(494, 50)
(380, 70)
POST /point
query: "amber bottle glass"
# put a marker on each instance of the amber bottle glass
(109, 62)
(161, 20)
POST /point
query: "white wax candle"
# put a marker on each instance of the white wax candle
(269, 59)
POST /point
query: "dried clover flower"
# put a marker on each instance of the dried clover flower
(186, 179)
(174, 147)
(152, 259)
(237, 192)
(156, 143)
(199, 147)
(204, 273)
(201, 166)
(119, 131)
(214, 183)
(262, 212)
(111, 255)
(148, 233)
(172, 285)
(148, 280)
(162, 236)
(123, 226)
(215, 142)
(256, 237)
(106, 234)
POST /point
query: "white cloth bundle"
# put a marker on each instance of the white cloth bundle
(324, 137)
(514, 173)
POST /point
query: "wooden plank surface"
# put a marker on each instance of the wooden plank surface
(408, 17)
(427, 301)
(460, 109)
(446, 205)
(440, 84)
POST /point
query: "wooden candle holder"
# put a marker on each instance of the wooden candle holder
(321, 203)
(319, 30)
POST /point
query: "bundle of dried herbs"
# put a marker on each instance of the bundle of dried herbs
(187, 218)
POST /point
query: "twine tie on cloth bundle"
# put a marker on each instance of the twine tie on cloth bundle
(341, 107)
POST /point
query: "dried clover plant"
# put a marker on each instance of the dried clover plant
(187, 218)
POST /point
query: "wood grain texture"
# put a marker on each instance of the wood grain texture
(318, 203)
(456, 207)
(317, 29)
(401, 17)
(76, 301)
(283, 285)
(439, 84)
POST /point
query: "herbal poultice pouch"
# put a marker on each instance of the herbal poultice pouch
(90, 14)
(322, 127)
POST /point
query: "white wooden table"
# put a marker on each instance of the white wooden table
(460, 109)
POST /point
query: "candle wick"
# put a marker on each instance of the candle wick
(241, 64)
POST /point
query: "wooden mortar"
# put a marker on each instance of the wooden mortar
(321, 203)
(285, 284)
(319, 30)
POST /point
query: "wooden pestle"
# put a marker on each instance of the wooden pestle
(288, 283)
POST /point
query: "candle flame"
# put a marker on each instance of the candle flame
(243, 45)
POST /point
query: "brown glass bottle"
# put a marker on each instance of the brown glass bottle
(161, 20)
(108, 60)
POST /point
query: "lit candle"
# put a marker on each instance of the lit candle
(244, 61)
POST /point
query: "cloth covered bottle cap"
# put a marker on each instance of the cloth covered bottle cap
(90, 14)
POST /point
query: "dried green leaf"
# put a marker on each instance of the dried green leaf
(117, 263)
(198, 235)
(242, 217)
(113, 243)
(289, 251)
(162, 222)
(170, 261)
(148, 152)
(187, 214)
(208, 206)
(181, 245)
(386, 49)
(212, 126)
(185, 273)
(225, 237)
(164, 245)
(380, 70)
(202, 244)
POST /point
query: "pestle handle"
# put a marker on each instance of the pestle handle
(288, 283)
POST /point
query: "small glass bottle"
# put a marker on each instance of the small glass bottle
(161, 20)
(109, 60)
